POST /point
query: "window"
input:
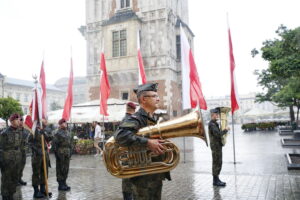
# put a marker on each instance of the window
(119, 43)
(125, 3)
(18, 96)
(178, 47)
(124, 95)
(174, 113)
(26, 98)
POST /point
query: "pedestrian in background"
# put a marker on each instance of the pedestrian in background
(98, 138)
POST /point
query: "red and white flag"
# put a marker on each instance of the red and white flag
(104, 87)
(142, 74)
(233, 93)
(191, 86)
(43, 85)
(69, 100)
(36, 106)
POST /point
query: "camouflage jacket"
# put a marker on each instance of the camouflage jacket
(215, 134)
(126, 133)
(61, 140)
(35, 141)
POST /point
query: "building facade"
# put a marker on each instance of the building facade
(21, 90)
(113, 27)
(80, 88)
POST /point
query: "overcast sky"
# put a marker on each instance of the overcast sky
(32, 29)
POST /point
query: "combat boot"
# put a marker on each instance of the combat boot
(43, 191)
(217, 182)
(62, 187)
(127, 196)
(5, 197)
(37, 194)
(68, 187)
(224, 183)
(21, 182)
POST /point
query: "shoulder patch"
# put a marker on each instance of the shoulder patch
(127, 124)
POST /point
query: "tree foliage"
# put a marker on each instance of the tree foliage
(9, 106)
(281, 80)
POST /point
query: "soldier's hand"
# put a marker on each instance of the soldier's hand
(228, 128)
(155, 146)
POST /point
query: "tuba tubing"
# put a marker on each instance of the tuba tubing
(128, 162)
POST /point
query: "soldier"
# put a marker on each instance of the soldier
(62, 149)
(215, 136)
(10, 157)
(147, 187)
(38, 177)
(24, 133)
(126, 184)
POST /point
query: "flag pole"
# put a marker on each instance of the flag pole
(43, 144)
(233, 139)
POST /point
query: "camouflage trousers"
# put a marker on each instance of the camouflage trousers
(23, 163)
(216, 160)
(9, 172)
(147, 187)
(38, 176)
(62, 167)
(126, 185)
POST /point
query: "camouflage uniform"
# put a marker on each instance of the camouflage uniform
(10, 160)
(215, 137)
(38, 177)
(25, 133)
(126, 184)
(147, 187)
(62, 149)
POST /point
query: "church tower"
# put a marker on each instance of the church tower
(112, 27)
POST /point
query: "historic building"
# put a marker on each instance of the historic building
(112, 26)
(80, 88)
(21, 90)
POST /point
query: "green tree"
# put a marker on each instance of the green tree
(280, 81)
(9, 106)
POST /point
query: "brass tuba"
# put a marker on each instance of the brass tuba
(127, 162)
(224, 122)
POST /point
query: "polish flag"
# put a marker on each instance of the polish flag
(142, 74)
(191, 86)
(234, 94)
(37, 106)
(104, 87)
(69, 100)
(43, 85)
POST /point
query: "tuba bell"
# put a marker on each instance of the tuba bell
(128, 162)
(224, 122)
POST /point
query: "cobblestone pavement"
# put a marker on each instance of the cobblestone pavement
(260, 173)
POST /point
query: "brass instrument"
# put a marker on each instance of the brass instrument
(224, 122)
(127, 162)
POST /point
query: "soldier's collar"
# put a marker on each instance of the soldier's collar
(144, 113)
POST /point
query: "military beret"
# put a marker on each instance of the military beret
(146, 87)
(14, 116)
(61, 121)
(131, 105)
(215, 110)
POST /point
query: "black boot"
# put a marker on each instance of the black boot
(68, 187)
(62, 187)
(37, 194)
(5, 197)
(43, 191)
(217, 182)
(21, 182)
(224, 183)
(127, 196)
